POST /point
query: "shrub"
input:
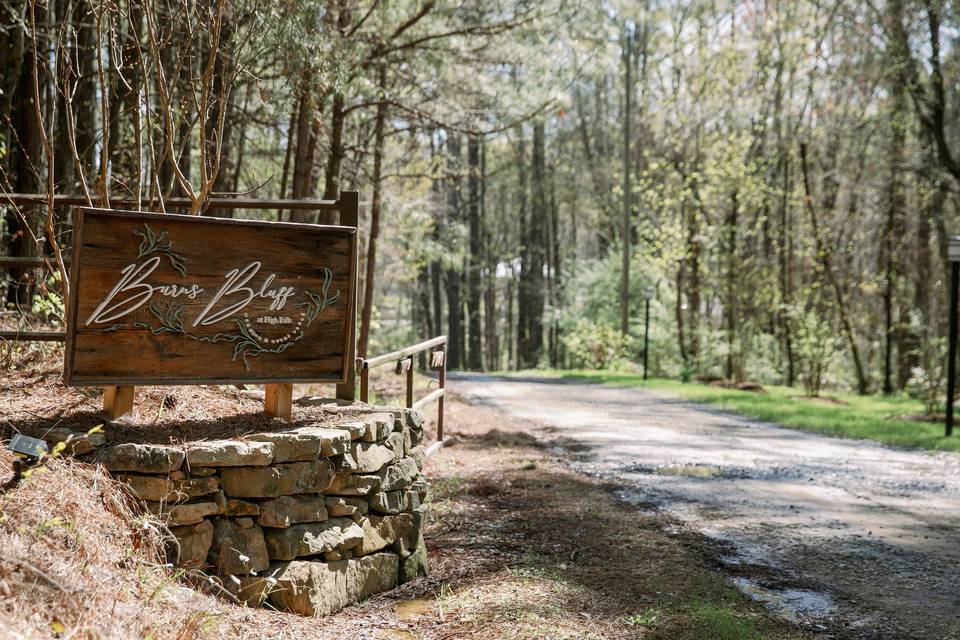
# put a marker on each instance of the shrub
(817, 342)
(596, 346)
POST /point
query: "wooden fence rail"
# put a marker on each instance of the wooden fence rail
(146, 204)
(403, 359)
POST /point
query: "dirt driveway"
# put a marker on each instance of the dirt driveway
(830, 532)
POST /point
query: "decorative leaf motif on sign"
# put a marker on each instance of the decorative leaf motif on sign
(150, 242)
(318, 302)
(246, 344)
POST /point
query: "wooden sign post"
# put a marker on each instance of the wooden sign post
(170, 299)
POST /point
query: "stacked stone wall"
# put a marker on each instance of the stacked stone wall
(308, 519)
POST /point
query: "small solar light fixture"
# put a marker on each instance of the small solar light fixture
(29, 451)
(647, 297)
(27, 447)
(953, 256)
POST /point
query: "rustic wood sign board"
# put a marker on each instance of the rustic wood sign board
(174, 299)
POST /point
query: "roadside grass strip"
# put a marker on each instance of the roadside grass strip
(835, 414)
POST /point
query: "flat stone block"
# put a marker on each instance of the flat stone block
(277, 480)
(356, 428)
(380, 532)
(395, 442)
(371, 457)
(399, 475)
(152, 488)
(234, 507)
(349, 484)
(181, 514)
(229, 453)
(238, 550)
(194, 544)
(419, 455)
(414, 418)
(345, 506)
(194, 487)
(321, 588)
(377, 427)
(312, 539)
(141, 458)
(391, 502)
(414, 565)
(289, 510)
(333, 441)
(291, 446)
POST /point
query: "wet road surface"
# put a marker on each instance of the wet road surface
(850, 537)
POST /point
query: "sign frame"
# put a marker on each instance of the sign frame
(348, 297)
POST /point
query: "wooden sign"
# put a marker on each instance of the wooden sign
(174, 299)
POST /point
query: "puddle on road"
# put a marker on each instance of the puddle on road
(796, 605)
(408, 610)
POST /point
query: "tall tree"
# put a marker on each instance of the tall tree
(474, 256)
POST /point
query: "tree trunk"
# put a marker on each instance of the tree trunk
(452, 275)
(331, 186)
(824, 254)
(24, 162)
(785, 265)
(732, 310)
(554, 271)
(523, 322)
(531, 276)
(490, 334)
(625, 234)
(222, 97)
(474, 258)
(303, 184)
(375, 209)
(85, 100)
(694, 249)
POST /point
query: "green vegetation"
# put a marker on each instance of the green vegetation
(839, 414)
(721, 623)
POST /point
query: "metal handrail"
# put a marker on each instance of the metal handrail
(403, 358)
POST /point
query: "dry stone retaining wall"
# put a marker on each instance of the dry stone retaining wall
(309, 519)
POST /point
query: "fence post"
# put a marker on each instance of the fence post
(118, 401)
(349, 207)
(443, 382)
(410, 383)
(278, 400)
(364, 381)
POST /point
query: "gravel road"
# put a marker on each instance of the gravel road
(852, 538)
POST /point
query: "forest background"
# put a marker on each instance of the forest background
(781, 177)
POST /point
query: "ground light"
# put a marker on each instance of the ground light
(647, 296)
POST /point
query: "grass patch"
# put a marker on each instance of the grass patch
(722, 623)
(855, 417)
(645, 619)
